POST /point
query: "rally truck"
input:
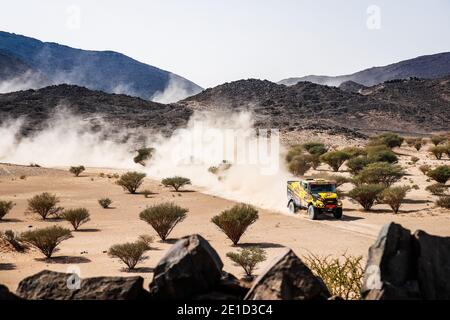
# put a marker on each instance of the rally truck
(317, 196)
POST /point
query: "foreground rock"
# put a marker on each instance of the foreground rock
(51, 285)
(190, 267)
(404, 266)
(288, 278)
(5, 294)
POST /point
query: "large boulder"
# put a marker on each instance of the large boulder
(288, 278)
(190, 267)
(5, 294)
(49, 285)
(433, 265)
(390, 269)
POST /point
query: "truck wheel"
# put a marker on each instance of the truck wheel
(313, 212)
(292, 207)
(337, 213)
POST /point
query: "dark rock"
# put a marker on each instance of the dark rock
(433, 265)
(190, 267)
(5, 294)
(229, 284)
(49, 285)
(288, 278)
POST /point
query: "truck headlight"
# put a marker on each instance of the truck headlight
(319, 203)
(339, 203)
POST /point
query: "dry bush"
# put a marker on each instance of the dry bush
(76, 171)
(175, 182)
(335, 159)
(391, 140)
(438, 139)
(5, 208)
(293, 152)
(394, 196)
(438, 151)
(13, 239)
(130, 253)
(105, 202)
(342, 275)
(436, 189)
(425, 168)
(440, 174)
(443, 201)
(44, 204)
(76, 217)
(366, 194)
(300, 164)
(248, 259)
(46, 239)
(235, 221)
(163, 217)
(380, 173)
(146, 193)
(414, 159)
(131, 181)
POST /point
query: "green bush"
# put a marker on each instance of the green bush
(46, 239)
(248, 259)
(13, 239)
(163, 217)
(300, 164)
(366, 194)
(338, 179)
(143, 155)
(44, 204)
(5, 208)
(355, 151)
(335, 159)
(394, 196)
(356, 164)
(235, 221)
(342, 275)
(76, 171)
(441, 174)
(444, 202)
(131, 181)
(105, 202)
(176, 182)
(383, 156)
(130, 253)
(438, 151)
(76, 217)
(380, 173)
(438, 139)
(390, 140)
(436, 189)
(315, 148)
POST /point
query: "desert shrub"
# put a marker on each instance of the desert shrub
(163, 217)
(5, 208)
(415, 187)
(382, 155)
(76, 217)
(76, 171)
(131, 181)
(340, 180)
(146, 193)
(235, 221)
(23, 177)
(418, 144)
(13, 239)
(44, 204)
(335, 159)
(438, 151)
(391, 140)
(105, 202)
(414, 159)
(443, 201)
(440, 174)
(293, 152)
(342, 275)
(380, 173)
(143, 155)
(300, 164)
(356, 164)
(315, 148)
(436, 140)
(248, 259)
(46, 239)
(394, 196)
(425, 168)
(366, 194)
(355, 151)
(176, 182)
(130, 253)
(224, 166)
(436, 189)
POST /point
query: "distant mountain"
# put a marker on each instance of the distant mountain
(107, 71)
(427, 67)
(96, 107)
(414, 106)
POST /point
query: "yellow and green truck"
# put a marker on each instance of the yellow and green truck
(317, 196)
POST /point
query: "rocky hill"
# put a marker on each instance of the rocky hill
(108, 71)
(406, 106)
(427, 67)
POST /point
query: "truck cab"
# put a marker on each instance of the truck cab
(317, 196)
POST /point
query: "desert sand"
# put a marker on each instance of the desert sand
(273, 231)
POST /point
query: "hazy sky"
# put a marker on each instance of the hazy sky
(211, 42)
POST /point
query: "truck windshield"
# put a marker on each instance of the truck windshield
(316, 188)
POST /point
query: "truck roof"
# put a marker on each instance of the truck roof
(319, 181)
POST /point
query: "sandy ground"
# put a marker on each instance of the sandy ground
(273, 231)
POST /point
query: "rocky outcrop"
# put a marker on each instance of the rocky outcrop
(404, 266)
(288, 278)
(49, 285)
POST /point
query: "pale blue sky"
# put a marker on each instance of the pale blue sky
(211, 42)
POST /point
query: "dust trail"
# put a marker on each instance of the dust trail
(176, 90)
